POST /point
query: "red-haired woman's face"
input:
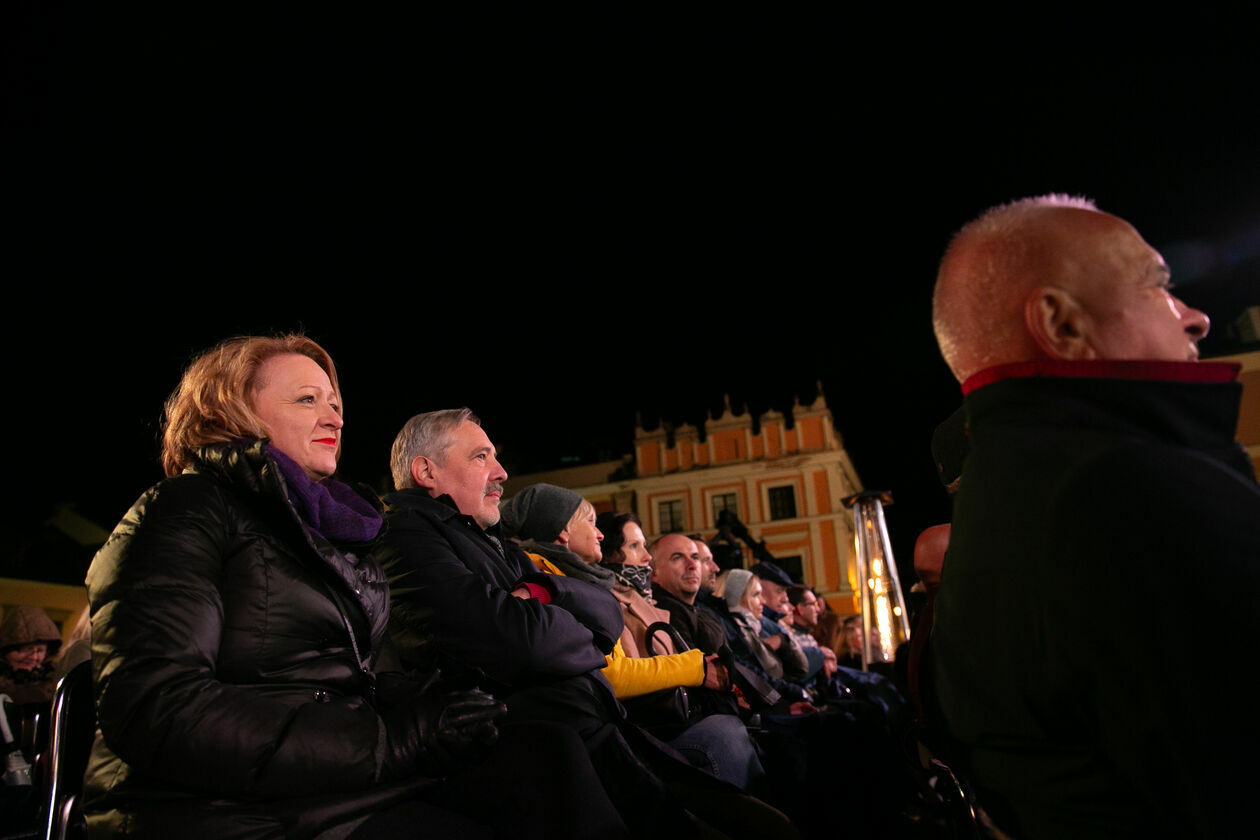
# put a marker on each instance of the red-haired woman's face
(301, 412)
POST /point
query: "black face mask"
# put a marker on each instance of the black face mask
(640, 577)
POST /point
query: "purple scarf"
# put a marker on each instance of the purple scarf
(329, 508)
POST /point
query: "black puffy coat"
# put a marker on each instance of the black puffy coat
(230, 647)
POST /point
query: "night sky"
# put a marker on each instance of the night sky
(561, 227)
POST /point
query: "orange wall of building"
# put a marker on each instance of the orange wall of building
(649, 459)
(831, 563)
(728, 445)
(822, 492)
(770, 432)
(811, 433)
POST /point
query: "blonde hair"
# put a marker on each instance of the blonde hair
(584, 511)
(213, 401)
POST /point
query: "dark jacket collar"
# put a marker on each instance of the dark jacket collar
(1191, 404)
(444, 509)
(662, 594)
(1107, 369)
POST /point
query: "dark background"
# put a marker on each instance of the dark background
(562, 222)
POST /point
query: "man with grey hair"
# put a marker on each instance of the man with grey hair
(428, 434)
(455, 575)
(1103, 487)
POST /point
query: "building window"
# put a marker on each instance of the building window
(725, 501)
(783, 502)
(670, 516)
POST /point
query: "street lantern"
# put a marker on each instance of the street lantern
(885, 624)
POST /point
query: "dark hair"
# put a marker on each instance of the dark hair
(796, 593)
(612, 524)
(829, 632)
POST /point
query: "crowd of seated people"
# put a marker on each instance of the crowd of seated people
(275, 655)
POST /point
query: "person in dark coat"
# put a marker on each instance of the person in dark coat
(243, 688)
(1103, 491)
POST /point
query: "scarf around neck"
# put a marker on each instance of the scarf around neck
(750, 626)
(572, 565)
(638, 577)
(329, 508)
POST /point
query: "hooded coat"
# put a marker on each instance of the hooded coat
(23, 626)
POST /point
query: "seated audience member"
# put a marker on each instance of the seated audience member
(804, 621)
(804, 618)
(676, 577)
(238, 621)
(828, 632)
(471, 602)
(929, 560)
(849, 654)
(28, 642)
(798, 665)
(1103, 488)
(561, 536)
(742, 591)
(708, 566)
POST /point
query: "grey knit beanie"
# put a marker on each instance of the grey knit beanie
(539, 512)
(737, 581)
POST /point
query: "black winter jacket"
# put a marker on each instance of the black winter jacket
(230, 648)
(453, 606)
(1098, 600)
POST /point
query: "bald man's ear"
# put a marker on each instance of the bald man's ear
(1058, 324)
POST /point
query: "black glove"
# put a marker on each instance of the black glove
(439, 732)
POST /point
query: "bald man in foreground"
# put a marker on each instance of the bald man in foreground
(1100, 593)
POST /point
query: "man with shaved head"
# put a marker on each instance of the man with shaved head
(677, 573)
(1103, 490)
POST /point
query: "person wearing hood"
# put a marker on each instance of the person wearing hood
(28, 642)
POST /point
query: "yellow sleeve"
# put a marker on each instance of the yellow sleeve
(631, 677)
(544, 565)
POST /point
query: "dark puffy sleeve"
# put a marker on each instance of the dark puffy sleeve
(462, 607)
(157, 625)
(595, 608)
